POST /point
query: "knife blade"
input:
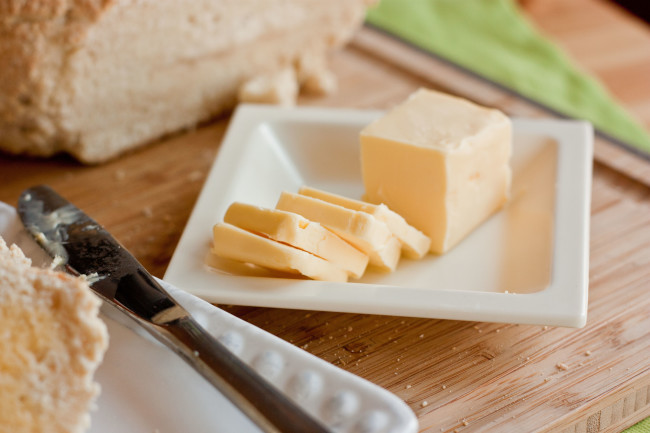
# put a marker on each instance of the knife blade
(84, 247)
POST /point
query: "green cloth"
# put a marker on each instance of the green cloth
(493, 39)
(640, 427)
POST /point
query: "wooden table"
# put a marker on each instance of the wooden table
(485, 377)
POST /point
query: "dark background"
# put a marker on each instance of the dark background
(640, 8)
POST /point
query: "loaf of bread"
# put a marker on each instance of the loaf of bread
(94, 78)
(51, 343)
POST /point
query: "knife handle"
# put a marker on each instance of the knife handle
(266, 406)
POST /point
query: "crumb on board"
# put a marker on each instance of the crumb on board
(424, 403)
(588, 353)
(147, 212)
(407, 386)
(562, 366)
(194, 176)
(320, 83)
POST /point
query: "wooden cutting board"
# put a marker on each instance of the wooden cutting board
(456, 376)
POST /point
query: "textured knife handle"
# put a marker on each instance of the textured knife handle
(271, 410)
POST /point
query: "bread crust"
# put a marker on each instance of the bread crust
(95, 78)
(34, 39)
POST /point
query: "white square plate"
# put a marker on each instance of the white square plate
(527, 264)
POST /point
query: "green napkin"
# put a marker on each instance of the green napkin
(640, 427)
(493, 39)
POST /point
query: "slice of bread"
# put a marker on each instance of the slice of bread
(51, 343)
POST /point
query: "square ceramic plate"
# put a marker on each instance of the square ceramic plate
(527, 264)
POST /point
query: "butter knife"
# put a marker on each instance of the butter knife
(83, 247)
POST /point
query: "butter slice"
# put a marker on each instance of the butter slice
(415, 244)
(440, 162)
(233, 243)
(360, 229)
(298, 232)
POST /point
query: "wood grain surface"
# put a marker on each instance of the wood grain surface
(456, 375)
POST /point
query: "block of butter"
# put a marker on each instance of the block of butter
(440, 162)
(362, 230)
(299, 232)
(233, 243)
(415, 244)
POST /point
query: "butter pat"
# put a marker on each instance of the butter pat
(415, 244)
(440, 162)
(358, 228)
(233, 243)
(298, 232)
